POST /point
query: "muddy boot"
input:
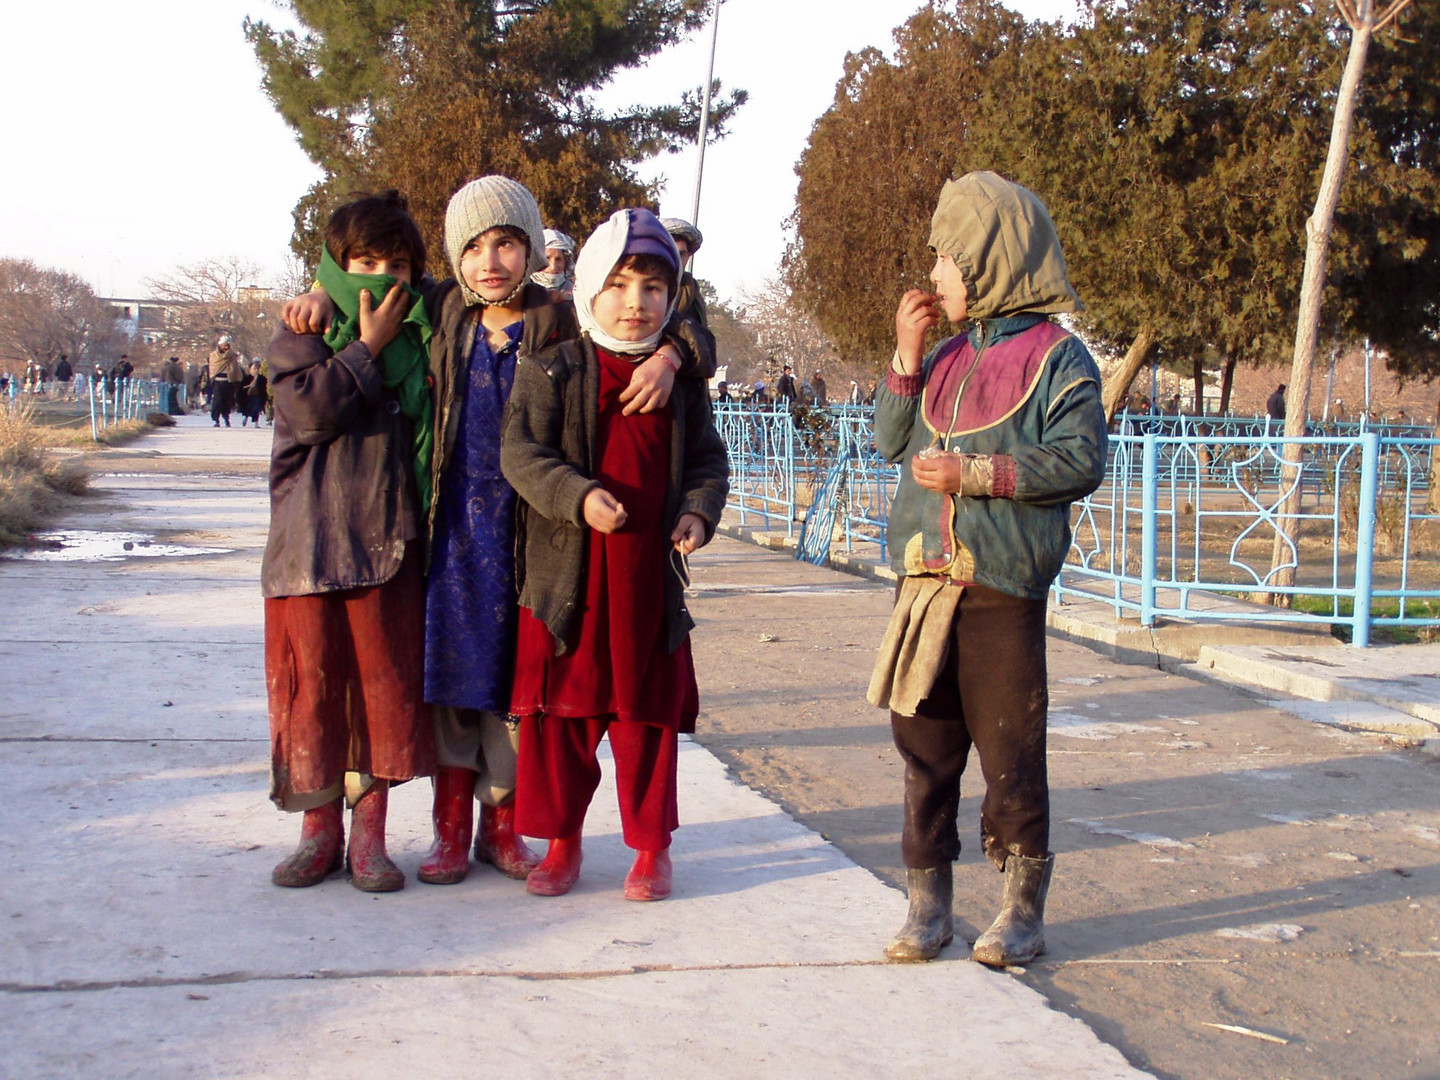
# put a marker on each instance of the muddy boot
(370, 868)
(930, 924)
(500, 845)
(559, 870)
(649, 878)
(322, 842)
(1017, 935)
(448, 860)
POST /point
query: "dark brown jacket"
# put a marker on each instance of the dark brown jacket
(548, 452)
(343, 502)
(548, 323)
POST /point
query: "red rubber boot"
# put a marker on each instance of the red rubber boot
(322, 840)
(559, 870)
(448, 860)
(501, 846)
(370, 868)
(649, 878)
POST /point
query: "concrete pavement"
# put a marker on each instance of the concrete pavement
(1389, 690)
(141, 935)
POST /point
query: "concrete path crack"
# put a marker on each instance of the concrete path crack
(234, 978)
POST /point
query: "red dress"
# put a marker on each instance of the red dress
(618, 667)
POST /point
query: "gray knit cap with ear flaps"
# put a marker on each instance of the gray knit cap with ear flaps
(484, 204)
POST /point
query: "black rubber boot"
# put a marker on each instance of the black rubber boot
(930, 924)
(1017, 935)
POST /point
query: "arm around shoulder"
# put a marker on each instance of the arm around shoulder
(319, 393)
(698, 357)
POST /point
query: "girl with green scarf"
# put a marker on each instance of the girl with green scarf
(342, 573)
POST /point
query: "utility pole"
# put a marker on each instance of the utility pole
(705, 116)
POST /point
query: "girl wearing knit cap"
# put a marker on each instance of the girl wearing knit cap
(487, 320)
(613, 504)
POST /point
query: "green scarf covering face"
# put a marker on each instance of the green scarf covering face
(403, 361)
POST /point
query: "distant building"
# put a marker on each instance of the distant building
(155, 322)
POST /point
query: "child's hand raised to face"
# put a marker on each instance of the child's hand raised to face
(689, 533)
(379, 327)
(915, 316)
(603, 511)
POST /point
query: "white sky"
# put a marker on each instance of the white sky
(138, 139)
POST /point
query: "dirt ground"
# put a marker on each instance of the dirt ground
(1219, 861)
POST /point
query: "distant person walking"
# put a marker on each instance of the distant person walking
(785, 387)
(225, 377)
(822, 393)
(172, 377)
(64, 372)
(1275, 403)
(257, 392)
(193, 371)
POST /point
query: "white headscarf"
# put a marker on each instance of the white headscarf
(607, 245)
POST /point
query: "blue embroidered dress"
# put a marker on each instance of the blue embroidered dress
(470, 607)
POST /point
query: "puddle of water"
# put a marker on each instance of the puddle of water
(85, 545)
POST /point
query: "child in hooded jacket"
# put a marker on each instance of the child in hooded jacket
(997, 430)
(612, 504)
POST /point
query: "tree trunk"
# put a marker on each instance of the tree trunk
(1113, 393)
(1312, 286)
(1198, 372)
(1227, 383)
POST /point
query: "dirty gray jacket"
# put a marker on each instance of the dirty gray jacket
(343, 502)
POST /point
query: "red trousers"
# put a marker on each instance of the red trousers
(345, 675)
(558, 773)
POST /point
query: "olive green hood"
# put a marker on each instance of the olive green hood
(1004, 243)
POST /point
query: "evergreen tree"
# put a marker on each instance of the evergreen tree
(876, 161)
(423, 95)
(1178, 144)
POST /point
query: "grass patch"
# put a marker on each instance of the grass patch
(33, 484)
(1386, 607)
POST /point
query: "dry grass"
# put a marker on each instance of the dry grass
(33, 482)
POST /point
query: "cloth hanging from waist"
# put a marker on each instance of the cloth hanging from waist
(915, 645)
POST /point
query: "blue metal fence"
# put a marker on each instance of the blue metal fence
(124, 399)
(1185, 522)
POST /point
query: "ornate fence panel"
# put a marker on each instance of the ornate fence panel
(762, 442)
(1184, 524)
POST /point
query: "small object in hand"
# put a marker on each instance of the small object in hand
(934, 450)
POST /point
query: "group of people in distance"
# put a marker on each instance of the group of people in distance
(485, 490)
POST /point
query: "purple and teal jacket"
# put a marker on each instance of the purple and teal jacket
(1025, 392)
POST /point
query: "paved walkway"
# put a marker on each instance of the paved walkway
(1385, 689)
(141, 936)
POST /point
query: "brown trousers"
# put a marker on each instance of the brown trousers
(991, 693)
